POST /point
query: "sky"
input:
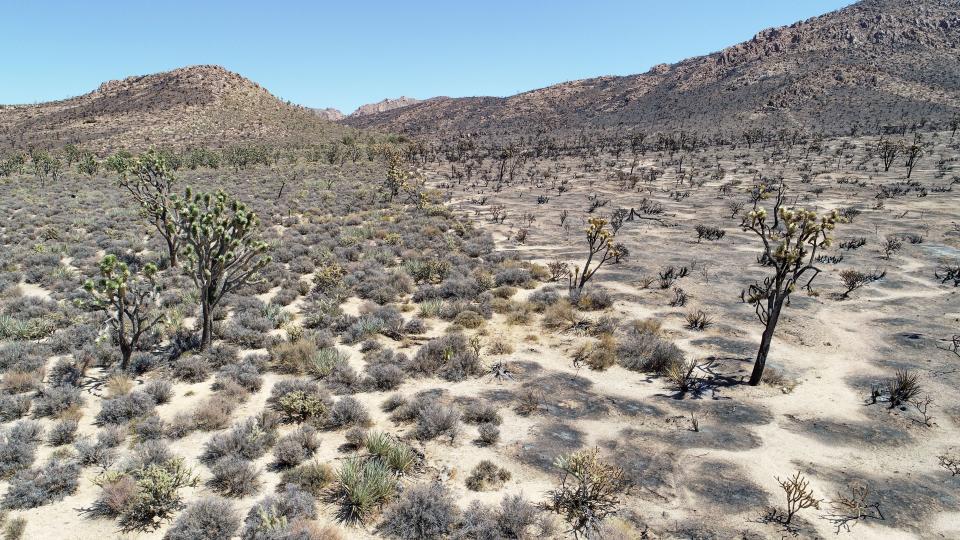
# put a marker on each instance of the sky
(347, 53)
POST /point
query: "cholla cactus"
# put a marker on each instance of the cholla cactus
(600, 242)
(128, 300)
(221, 247)
(149, 179)
(790, 247)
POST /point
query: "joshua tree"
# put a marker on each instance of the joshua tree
(600, 243)
(790, 247)
(149, 179)
(87, 164)
(45, 165)
(397, 176)
(914, 152)
(128, 299)
(221, 248)
(888, 151)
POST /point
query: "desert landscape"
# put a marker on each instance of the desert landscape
(716, 300)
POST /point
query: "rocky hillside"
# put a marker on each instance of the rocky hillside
(197, 105)
(384, 106)
(872, 64)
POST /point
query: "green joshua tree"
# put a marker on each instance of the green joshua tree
(221, 247)
(150, 181)
(87, 164)
(790, 247)
(601, 249)
(129, 301)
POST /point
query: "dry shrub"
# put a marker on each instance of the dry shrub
(598, 355)
(487, 476)
(119, 384)
(589, 491)
(294, 357)
(560, 316)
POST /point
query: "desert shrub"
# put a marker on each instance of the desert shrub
(543, 298)
(160, 390)
(250, 330)
(513, 518)
(363, 486)
(435, 420)
(212, 414)
(244, 374)
(312, 477)
(294, 448)
(469, 319)
(560, 316)
(220, 354)
(597, 355)
(487, 476)
(65, 372)
(248, 440)
(13, 528)
(415, 326)
(449, 357)
(271, 517)
(149, 428)
(709, 233)
(589, 491)
(119, 384)
(54, 400)
(300, 400)
(233, 476)
(210, 518)
(698, 320)
(148, 453)
(641, 349)
(349, 412)
(295, 358)
(157, 495)
(478, 412)
(489, 434)
(14, 407)
(121, 410)
(384, 377)
(63, 432)
(191, 368)
(43, 485)
(425, 511)
(512, 276)
(854, 279)
(343, 379)
(16, 382)
(799, 497)
(18, 446)
(591, 299)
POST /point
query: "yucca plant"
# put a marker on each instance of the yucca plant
(364, 485)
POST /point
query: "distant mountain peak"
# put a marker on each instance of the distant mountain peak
(384, 106)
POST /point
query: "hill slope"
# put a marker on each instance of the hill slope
(875, 63)
(197, 105)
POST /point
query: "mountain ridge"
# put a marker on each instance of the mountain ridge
(896, 58)
(204, 105)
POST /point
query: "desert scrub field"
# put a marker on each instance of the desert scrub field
(470, 341)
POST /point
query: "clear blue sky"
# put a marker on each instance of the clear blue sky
(343, 54)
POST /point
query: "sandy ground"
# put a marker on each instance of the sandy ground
(716, 482)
